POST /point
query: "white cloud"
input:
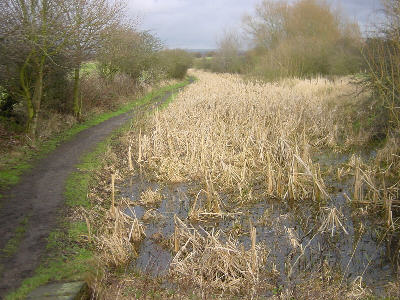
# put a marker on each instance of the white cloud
(156, 6)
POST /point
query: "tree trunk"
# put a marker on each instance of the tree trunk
(37, 99)
(32, 102)
(77, 105)
(27, 96)
(30, 116)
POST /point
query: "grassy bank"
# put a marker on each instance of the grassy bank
(13, 167)
(69, 250)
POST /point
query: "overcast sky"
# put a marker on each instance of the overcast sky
(197, 24)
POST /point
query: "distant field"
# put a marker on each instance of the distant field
(89, 68)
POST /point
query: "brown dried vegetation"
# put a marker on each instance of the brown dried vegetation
(244, 143)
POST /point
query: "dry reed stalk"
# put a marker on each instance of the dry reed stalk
(270, 182)
(294, 179)
(89, 230)
(331, 221)
(339, 174)
(176, 240)
(194, 212)
(112, 193)
(130, 165)
(209, 195)
(385, 195)
(389, 212)
(253, 236)
(357, 181)
(140, 147)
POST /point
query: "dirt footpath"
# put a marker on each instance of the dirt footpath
(40, 197)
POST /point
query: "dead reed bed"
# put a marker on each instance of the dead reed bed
(239, 143)
(244, 142)
(242, 139)
(249, 140)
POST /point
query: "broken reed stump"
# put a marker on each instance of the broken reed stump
(253, 234)
(89, 230)
(357, 181)
(112, 193)
(176, 240)
(130, 157)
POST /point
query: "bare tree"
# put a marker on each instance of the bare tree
(382, 55)
(129, 51)
(228, 57)
(269, 24)
(89, 19)
(33, 32)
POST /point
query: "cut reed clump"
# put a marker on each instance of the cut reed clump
(216, 265)
(150, 197)
(114, 234)
(117, 239)
(331, 221)
(376, 183)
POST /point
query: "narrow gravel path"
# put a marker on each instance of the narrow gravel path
(40, 197)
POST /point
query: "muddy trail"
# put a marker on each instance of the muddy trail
(37, 200)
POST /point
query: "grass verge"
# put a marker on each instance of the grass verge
(69, 254)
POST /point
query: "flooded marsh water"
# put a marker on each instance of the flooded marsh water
(300, 239)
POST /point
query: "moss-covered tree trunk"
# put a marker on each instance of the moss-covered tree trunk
(37, 98)
(76, 101)
(27, 97)
(32, 101)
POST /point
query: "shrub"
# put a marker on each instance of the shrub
(382, 55)
(175, 62)
(129, 52)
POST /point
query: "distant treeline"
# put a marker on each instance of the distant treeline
(299, 39)
(49, 47)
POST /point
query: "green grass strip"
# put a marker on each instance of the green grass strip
(70, 254)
